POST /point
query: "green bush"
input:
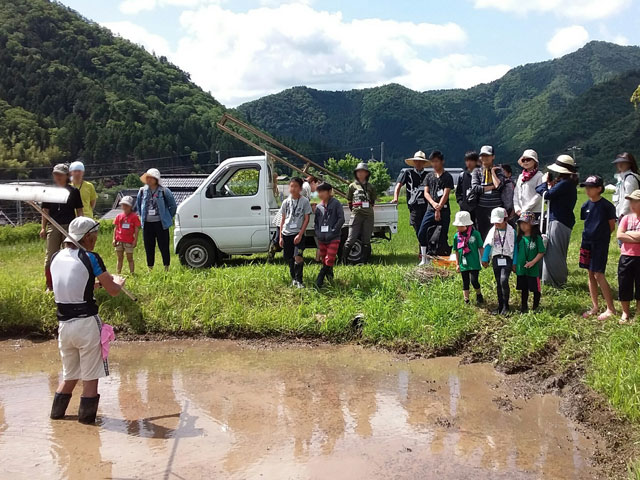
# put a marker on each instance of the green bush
(26, 233)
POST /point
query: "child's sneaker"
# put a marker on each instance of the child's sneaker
(480, 299)
(300, 285)
(466, 300)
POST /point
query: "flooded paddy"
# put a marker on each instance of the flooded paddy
(218, 409)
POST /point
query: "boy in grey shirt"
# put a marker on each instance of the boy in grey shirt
(295, 212)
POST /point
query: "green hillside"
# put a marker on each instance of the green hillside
(579, 99)
(70, 88)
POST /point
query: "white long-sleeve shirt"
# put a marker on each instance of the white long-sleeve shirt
(627, 184)
(525, 197)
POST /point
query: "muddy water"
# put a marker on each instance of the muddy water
(188, 409)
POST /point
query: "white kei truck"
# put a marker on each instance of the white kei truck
(233, 213)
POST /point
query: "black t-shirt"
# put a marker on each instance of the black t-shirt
(436, 186)
(63, 213)
(412, 180)
(596, 216)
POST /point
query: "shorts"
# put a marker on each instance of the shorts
(525, 282)
(124, 247)
(290, 249)
(594, 256)
(81, 349)
(628, 278)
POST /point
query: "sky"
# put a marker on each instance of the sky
(240, 50)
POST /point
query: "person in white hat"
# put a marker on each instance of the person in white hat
(156, 206)
(467, 244)
(499, 246)
(412, 179)
(74, 272)
(628, 182)
(87, 189)
(559, 187)
(525, 196)
(125, 234)
(487, 183)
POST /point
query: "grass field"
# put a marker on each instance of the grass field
(250, 298)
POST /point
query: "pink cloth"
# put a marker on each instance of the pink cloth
(630, 223)
(106, 336)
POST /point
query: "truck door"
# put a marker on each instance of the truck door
(234, 209)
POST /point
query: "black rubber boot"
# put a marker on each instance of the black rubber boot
(88, 410)
(536, 300)
(366, 253)
(292, 269)
(524, 303)
(321, 276)
(330, 274)
(60, 404)
(299, 267)
(479, 299)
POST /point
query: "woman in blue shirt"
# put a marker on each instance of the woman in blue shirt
(157, 207)
(562, 194)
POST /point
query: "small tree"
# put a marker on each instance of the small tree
(635, 98)
(380, 178)
(132, 181)
(343, 167)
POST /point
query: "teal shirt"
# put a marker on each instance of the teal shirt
(470, 261)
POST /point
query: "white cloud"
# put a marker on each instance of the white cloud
(242, 56)
(567, 40)
(132, 7)
(137, 34)
(574, 9)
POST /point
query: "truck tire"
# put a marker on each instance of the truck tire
(357, 254)
(197, 252)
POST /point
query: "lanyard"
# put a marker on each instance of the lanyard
(501, 240)
(364, 192)
(487, 177)
(294, 208)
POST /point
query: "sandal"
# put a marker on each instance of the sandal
(606, 315)
(589, 314)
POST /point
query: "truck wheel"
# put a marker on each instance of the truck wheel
(357, 254)
(197, 253)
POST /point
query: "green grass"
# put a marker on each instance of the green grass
(250, 298)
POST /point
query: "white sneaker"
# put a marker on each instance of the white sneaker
(299, 285)
(294, 283)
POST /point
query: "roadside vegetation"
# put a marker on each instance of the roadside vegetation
(386, 303)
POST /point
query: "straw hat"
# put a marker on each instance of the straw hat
(532, 154)
(153, 173)
(635, 195)
(419, 156)
(463, 219)
(564, 164)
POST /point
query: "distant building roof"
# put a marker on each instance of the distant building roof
(183, 181)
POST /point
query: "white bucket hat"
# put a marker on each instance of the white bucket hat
(498, 215)
(76, 166)
(79, 227)
(128, 200)
(462, 219)
(419, 156)
(530, 153)
(564, 164)
(153, 173)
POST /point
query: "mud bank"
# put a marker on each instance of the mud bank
(227, 409)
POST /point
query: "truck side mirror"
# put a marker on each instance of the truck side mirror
(211, 190)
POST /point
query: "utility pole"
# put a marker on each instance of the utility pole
(574, 151)
(371, 159)
(382, 152)
(218, 154)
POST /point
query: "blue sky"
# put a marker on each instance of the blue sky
(240, 50)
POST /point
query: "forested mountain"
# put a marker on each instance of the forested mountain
(580, 99)
(70, 88)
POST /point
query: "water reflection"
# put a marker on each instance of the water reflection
(194, 409)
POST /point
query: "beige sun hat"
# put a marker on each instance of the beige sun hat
(635, 195)
(530, 153)
(463, 219)
(564, 164)
(153, 173)
(419, 156)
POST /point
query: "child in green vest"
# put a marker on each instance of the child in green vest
(527, 254)
(468, 245)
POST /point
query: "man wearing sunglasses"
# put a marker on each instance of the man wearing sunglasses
(74, 272)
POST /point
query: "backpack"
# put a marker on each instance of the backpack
(437, 245)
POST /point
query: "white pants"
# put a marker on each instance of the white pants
(81, 350)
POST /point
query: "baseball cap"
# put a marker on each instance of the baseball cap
(593, 181)
(61, 168)
(127, 200)
(76, 166)
(79, 227)
(498, 215)
(486, 150)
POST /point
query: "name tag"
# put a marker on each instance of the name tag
(365, 204)
(615, 198)
(292, 225)
(502, 262)
(421, 201)
(324, 228)
(488, 192)
(440, 192)
(152, 211)
(464, 261)
(126, 225)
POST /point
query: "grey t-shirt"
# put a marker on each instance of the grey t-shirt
(293, 212)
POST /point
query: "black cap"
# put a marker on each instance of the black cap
(593, 181)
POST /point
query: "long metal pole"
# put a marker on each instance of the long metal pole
(58, 227)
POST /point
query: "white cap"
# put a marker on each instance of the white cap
(128, 200)
(76, 166)
(486, 150)
(463, 219)
(79, 227)
(498, 215)
(153, 173)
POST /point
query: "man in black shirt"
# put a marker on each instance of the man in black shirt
(487, 183)
(63, 213)
(464, 193)
(434, 231)
(412, 179)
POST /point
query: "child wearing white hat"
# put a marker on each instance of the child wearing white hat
(498, 251)
(468, 246)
